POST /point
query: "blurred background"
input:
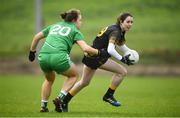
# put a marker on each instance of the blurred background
(151, 87)
(155, 32)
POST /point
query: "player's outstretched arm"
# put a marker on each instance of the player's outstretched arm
(36, 40)
(34, 44)
(86, 48)
(90, 51)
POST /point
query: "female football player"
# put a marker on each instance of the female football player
(110, 37)
(54, 54)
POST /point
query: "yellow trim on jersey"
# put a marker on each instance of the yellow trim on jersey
(102, 32)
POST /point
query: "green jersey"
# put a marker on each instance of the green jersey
(60, 37)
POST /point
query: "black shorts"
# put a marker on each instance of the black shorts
(94, 62)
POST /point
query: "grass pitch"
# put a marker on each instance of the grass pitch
(140, 96)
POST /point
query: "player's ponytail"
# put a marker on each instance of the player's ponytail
(70, 15)
(63, 15)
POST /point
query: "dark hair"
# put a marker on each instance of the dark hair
(70, 15)
(122, 17)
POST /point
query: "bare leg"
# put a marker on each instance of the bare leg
(120, 72)
(68, 84)
(46, 90)
(85, 80)
(116, 68)
(72, 75)
(47, 85)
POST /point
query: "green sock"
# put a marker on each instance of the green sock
(62, 95)
(44, 103)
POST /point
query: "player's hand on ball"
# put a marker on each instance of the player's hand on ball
(32, 55)
(126, 60)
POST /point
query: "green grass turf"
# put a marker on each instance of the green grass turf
(140, 96)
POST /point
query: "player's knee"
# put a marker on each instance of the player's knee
(123, 72)
(48, 82)
(50, 77)
(74, 74)
(74, 77)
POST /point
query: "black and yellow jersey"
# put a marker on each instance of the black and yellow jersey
(101, 42)
(102, 39)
